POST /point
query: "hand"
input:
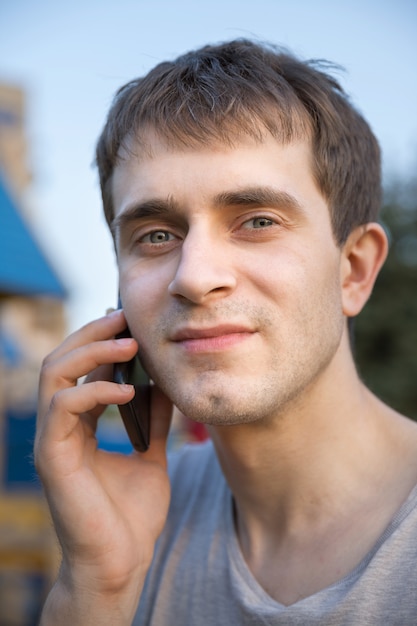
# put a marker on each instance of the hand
(108, 509)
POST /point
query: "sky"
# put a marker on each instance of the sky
(71, 57)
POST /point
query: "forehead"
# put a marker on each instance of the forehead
(152, 168)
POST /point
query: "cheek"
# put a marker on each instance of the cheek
(144, 293)
(281, 275)
(306, 284)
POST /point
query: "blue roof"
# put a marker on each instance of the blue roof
(24, 268)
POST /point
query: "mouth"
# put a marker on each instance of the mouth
(216, 338)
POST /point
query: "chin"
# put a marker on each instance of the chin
(217, 411)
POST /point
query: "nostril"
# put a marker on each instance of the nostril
(201, 283)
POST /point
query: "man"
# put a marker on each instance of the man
(242, 189)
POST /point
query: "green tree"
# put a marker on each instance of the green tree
(385, 333)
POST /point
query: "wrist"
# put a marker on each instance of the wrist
(79, 599)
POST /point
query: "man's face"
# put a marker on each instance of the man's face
(229, 275)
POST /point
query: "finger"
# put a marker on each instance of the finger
(85, 359)
(68, 405)
(103, 372)
(98, 330)
(66, 370)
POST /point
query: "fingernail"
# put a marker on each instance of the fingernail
(124, 341)
(126, 388)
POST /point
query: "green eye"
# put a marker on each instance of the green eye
(158, 236)
(259, 222)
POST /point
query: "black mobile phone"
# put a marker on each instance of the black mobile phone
(136, 414)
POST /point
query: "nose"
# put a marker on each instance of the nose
(204, 271)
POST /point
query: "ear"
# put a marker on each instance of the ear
(363, 255)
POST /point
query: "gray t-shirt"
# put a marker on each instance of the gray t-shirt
(199, 576)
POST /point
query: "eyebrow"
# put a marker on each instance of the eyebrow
(255, 197)
(149, 208)
(259, 197)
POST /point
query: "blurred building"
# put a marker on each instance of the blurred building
(32, 323)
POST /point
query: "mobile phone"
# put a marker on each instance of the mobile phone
(135, 414)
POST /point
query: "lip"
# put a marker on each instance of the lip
(183, 334)
(213, 339)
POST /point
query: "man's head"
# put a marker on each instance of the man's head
(237, 183)
(222, 94)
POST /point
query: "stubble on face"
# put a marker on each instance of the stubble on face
(266, 382)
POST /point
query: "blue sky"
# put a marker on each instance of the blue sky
(71, 57)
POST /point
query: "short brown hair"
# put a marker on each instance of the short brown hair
(223, 92)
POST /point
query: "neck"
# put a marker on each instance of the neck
(315, 486)
(313, 462)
